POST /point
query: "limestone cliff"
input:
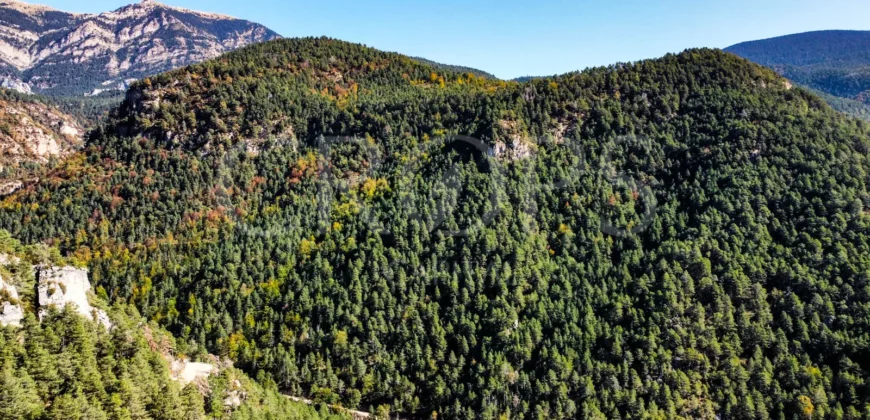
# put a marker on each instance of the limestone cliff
(31, 133)
(61, 286)
(11, 312)
(53, 52)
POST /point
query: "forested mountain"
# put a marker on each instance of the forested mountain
(68, 54)
(834, 62)
(455, 68)
(64, 366)
(684, 237)
(80, 64)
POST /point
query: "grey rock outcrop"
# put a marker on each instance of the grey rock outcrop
(62, 286)
(11, 312)
(6, 259)
(53, 52)
(35, 132)
(14, 84)
(185, 371)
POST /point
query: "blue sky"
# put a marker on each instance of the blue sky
(512, 38)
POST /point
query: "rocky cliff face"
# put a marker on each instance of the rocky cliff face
(57, 288)
(11, 312)
(36, 131)
(52, 52)
(31, 133)
(62, 286)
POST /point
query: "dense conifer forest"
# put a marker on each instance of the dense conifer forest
(65, 366)
(685, 237)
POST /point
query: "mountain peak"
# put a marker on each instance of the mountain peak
(150, 5)
(69, 54)
(27, 8)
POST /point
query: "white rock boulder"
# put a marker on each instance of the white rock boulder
(184, 371)
(6, 259)
(10, 309)
(61, 286)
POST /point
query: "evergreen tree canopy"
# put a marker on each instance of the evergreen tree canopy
(685, 237)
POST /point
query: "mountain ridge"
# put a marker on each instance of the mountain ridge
(835, 62)
(32, 133)
(53, 52)
(817, 47)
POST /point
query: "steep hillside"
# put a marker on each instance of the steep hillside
(63, 54)
(61, 365)
(31, 134)
(686, 237)
(834, 62)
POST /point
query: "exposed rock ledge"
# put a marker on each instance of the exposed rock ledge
(185, 371)
(6, 259)
(62, 286)
(59, 287)
(56, 287)
(10, 309)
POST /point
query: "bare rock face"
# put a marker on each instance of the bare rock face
(517, 150)
(11, 312)
(10, 187)
(34, 132)
(31, 134)
(515, 147)
(14, 84)
(59, 287)
(185, 371)
(6, 259)
(59, 53)
(235, 395)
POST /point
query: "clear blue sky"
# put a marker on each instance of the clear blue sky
(511, 38)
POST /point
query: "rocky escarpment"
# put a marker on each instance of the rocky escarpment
(11, 312)
(52, 52)
(59, 287)
(62, 286)
(31, 133)
(36, 131)
(56, 287)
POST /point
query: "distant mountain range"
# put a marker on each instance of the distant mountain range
(834, 63)
(47, 51)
